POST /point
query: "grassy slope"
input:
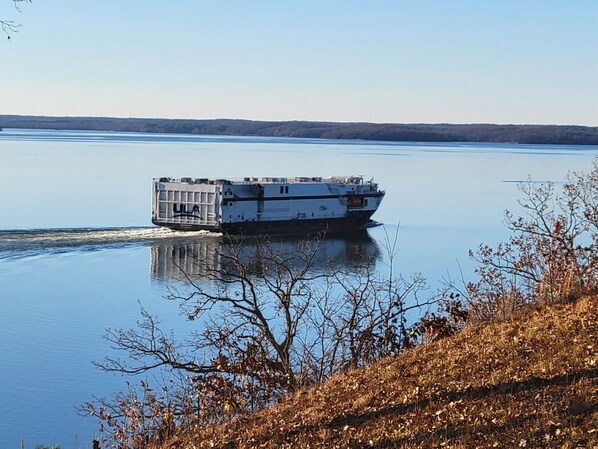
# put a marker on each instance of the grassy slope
(530, 382)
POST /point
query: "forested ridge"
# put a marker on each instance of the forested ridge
(525, 134)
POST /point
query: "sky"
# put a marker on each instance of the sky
(419, 61)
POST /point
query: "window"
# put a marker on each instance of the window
(355, 202)
(286, 189)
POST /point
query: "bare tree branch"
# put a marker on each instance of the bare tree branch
(269, 320)
(10, 26)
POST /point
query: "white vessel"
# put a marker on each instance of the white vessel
(265, 205)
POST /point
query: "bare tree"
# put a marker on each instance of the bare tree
(366, 314)
(367, 321)
(270, 320)
(552, 254)
(10, 26)
(361, 316)
(246, 303)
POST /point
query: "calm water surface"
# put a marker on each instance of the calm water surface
(78, 253)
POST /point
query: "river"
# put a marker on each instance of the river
(78, 253)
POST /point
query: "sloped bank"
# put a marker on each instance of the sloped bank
(528, 382)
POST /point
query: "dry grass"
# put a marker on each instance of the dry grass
(530, 382)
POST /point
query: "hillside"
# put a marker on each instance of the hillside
(529, 382)
(397, 132)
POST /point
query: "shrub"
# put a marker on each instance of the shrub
(551, 255)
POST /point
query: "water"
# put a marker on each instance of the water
(78, 253)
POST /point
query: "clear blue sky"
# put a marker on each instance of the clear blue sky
(507, 61)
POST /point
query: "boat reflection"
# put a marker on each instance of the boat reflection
(177, 259)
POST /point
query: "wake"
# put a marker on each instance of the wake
(28, 243)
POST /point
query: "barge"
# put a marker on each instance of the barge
(255, 206)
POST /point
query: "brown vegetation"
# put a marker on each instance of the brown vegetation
(528, 382)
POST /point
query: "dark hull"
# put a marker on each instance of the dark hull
(355, 221)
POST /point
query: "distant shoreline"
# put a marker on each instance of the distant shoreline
(394, 132)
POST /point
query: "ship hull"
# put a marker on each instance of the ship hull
(354, 222)
(357, 221)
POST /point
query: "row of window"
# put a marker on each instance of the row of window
(186, 196)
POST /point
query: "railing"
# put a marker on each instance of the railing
(345, 180)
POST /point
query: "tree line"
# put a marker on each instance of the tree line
(524, 134)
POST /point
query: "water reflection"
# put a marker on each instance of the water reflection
(173, 260)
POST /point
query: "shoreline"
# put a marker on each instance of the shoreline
(390, 132)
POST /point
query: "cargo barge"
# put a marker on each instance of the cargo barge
(255, 206)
